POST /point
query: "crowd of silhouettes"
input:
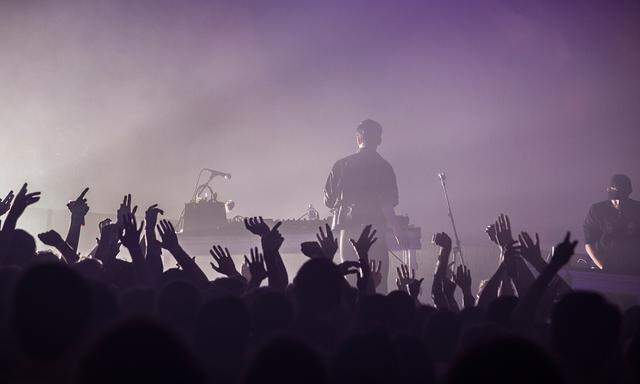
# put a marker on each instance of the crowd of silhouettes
(101, 318)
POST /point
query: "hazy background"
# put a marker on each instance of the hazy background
(528, 106)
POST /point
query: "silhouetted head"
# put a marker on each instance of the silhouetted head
(220, 338)
(178, 305)
(44, 257)
(440, 335)
(631, 322)
(21, 249)
(8, 278)
(499, 310)
(414, 360)
(402, 308)
(104, 304)
(317, 286)
(369, 134)
(137, 301)
(90, 268)
(270, 312)
(508, 360)
(222, 323)
(52, 307)
(585, 329)
(286, 360)
(619, 187)
(139, 351)
(171, 275)
(225, 286)
(365, 358)
(373, 312)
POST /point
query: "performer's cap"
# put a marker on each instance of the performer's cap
(622, 182)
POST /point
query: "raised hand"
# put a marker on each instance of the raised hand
(244, 270)
(79, 207)
(562, 252)
(225, 263)
(23, 200)
(462, 278)
(125, 207)
(130, 235)
(407, 282)
(449, 286)
(108, 243)
(376, 272)
(256, 266)
(349, 267)
(168, 236)
(491, 232)
(404, 278)
(364, 243)
(328, 243)
(51, 238)
(151, 215)
(529, 250)
(311, 249)
(102, 224)
(272, 240)
(442, 240)
(504, 237)
(5, 204)
(256, 225)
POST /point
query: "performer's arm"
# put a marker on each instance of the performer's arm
(392, 220)
(331, 187)
(593, 254)
(389, 200)
(592, 233)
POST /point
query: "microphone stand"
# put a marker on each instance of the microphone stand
(457, 249)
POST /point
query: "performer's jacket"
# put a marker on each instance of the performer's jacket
(615, 233)
(357, 187)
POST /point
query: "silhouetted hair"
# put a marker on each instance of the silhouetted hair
(286, 360)
(139, 351)
(508, 360)
(52, 306)
(371, 131)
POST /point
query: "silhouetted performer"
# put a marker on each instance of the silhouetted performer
(361, 189)
(612, 230)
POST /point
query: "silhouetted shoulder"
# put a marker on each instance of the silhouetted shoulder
(600, 206)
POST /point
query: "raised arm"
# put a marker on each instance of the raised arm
(169, 241)
(20, 203)
(5, 204)
(533, 255)
(224, 264)
(490, 290)
(53, 239)
(271, 240)
(79, 210)
(409, 283)
(525, 312)
(463, 279)
(154, 250)
(130, 238)
(437, 288)
(365, 283)
(257, 269)
(508, 253)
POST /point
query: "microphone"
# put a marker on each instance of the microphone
(215, 173)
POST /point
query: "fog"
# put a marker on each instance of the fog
(528, 106)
